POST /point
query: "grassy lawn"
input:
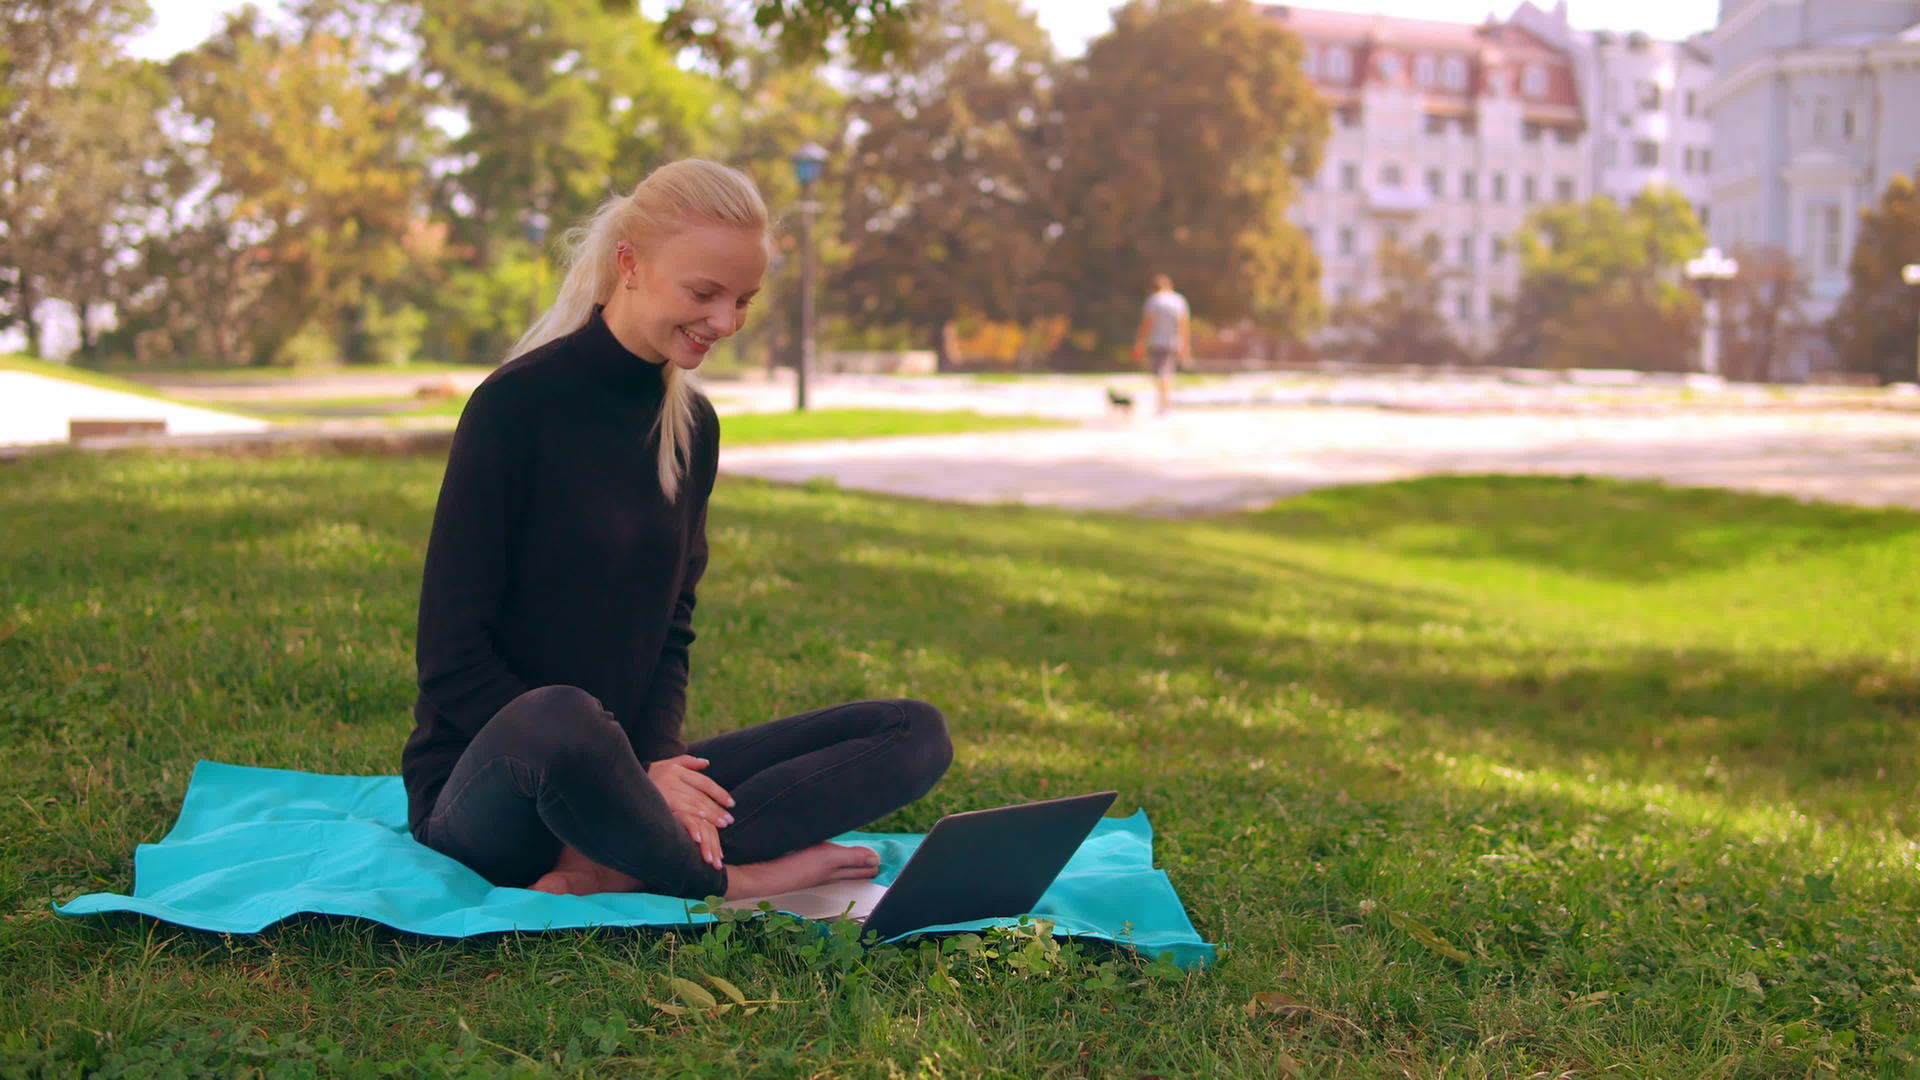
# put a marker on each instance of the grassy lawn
(1472, 778)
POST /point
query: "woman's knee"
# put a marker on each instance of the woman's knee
(927, 747)
(549, 722)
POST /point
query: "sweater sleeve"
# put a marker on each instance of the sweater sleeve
(463, 588)
(665, 707)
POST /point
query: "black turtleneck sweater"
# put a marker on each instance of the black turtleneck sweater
(555, 559)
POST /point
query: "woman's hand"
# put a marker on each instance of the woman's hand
(699, 804)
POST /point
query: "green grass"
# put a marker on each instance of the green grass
(1497, 777)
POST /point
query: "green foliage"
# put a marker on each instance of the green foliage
(76, 118)
(1402, 325)
(1185, 130)
(1643, 755)
(958, 157)
(1601, 286)
(315, 180)
(565, 103)
(871, 31)
(1876, 327)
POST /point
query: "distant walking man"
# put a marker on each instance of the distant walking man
(1163, 336)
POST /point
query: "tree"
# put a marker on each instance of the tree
(950, 203)
(65, 96)
(1601, 286)
(1875, 326)
(1186, 128)
(562, 102)
(1401, 326)
(872, 31)
(1763, 315)
(311, 184)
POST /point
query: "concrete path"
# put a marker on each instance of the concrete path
(1224, 459)
(37, 409)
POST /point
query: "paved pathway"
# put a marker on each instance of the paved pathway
(36, 409)
(1218, 459)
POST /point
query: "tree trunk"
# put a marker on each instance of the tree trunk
(28, 318)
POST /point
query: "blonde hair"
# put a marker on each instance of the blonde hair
(671, 198)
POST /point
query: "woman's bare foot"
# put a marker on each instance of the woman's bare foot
(802, 869)
(574, 874)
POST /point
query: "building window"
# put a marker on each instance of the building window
(1436, 125)
(1463, 307)
(1830, 238)
(1388, 66)
(1692, 104)
(1529, 191)
(1436, 183)
(1846, 124)
(1499, 249)
(1530, 132)
(1347, 116)
(1423, 70)
(1646, 153)
(1466, 249)
(1686, 159)
(1313, 239)
(1563, 189)
(1453, 73)
(1533, 81)
(1468, 184)
(1706, 160)
(1344, 295)
(1390, 236)
(1346, 240)
(1310, 62)
(1349, 176)
(1564, 136)
(1469, 126)
(1819, 119)
(1701, 212)
(1610, 152)
(1390, 175)
(1339, 64)
(1498, 190)
(1649, 94)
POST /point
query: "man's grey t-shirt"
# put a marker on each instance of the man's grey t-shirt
(1164, 310)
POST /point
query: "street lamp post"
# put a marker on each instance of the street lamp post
(1910, 274)
(807, 163)
(1710, 272)
(536, 224)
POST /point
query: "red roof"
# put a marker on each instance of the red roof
(1494, 58)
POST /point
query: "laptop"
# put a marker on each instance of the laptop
(982, 864)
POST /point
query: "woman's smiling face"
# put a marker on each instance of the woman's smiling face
(689, 292)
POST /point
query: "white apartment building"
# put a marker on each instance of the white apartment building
(1447, 134)
(1645, 101)
(1816, 107)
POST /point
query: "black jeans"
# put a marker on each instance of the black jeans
(554, 768)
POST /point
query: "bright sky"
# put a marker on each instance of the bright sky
(182, 24)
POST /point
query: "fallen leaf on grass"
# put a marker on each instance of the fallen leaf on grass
(691, 992)
(1281, 1003)
(728, 989)
(1425, 935)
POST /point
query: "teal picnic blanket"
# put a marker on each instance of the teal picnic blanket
(254, 846)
